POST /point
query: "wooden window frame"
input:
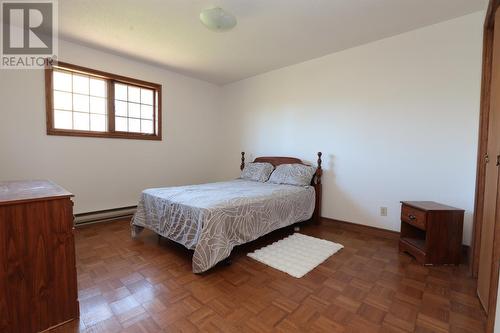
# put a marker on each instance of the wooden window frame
(110, 80)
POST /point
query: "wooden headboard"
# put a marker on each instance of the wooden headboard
(316, 181)
(274, 160)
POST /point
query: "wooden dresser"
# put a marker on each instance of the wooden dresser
(431, 232)
(38, 287)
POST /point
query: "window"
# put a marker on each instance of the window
(134, 109)
(86, 102)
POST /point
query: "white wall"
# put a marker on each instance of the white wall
(396, 119)
(109, 173)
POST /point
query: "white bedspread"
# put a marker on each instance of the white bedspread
(213, 218)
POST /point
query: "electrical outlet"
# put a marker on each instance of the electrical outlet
(383, 211)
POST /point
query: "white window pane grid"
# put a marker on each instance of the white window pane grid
(81, 84)
(120, 92)
(80, 102)
(134, 109)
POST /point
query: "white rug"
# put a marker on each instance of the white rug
(297, 254)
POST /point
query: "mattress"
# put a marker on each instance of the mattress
(213, 218)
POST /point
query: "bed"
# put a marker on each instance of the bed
(213, 218)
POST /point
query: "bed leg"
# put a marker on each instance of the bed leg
(227, 261)
(136, 230)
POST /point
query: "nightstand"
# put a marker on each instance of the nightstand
(431, 232)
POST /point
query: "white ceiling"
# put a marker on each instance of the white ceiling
(270, 33)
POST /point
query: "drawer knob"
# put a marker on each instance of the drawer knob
(411, 217)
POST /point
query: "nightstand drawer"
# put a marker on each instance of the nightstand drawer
(414, 217)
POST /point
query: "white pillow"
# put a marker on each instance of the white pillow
(293, 174)
(259, 172)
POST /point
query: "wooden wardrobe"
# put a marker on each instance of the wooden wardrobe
(486, 237)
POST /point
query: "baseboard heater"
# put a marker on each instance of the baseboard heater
(104, 215)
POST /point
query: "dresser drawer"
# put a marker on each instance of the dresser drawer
(414, 216)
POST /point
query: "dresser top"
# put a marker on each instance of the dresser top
(30, 190)
(429, 205)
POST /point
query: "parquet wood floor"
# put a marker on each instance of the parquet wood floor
(128, 285)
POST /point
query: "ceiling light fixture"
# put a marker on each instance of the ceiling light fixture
(217, 19)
